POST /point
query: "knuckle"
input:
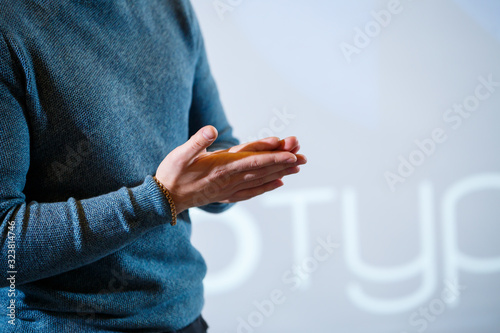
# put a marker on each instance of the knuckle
(249, 176)
(196, 144)
(255, 163)
(220, 174)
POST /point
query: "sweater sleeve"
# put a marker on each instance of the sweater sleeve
(206, 106)
(39, 240)
(207, 109)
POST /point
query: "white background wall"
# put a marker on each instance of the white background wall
(392, 105)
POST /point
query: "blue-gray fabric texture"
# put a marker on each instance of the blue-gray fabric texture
(93, 96)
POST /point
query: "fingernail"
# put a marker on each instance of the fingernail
(208, 134)
(292, 159)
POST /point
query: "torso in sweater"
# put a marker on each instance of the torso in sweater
(94, 95)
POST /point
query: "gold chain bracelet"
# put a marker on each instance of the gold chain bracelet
(170, 200)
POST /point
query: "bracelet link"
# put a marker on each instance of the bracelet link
(169, 199)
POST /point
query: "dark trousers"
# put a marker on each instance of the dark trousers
(197, 326)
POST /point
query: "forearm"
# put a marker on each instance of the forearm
(51, 238)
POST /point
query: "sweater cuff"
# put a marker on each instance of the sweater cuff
(151, 201)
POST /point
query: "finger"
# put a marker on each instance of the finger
(301, 159)
(267, 144)
(295, 150)
(197, 144)
(253, 192)
(266, 178)
(253, 175)
(258, 160)
(289, 144)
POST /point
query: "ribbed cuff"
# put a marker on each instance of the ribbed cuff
(152, 202)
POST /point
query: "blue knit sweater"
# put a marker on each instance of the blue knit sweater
(93, 96)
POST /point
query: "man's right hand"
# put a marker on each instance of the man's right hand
(196, 177)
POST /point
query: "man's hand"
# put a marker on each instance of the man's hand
(196, 177)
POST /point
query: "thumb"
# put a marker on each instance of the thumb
(200, 141)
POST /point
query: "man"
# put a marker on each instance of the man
(94, 95)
